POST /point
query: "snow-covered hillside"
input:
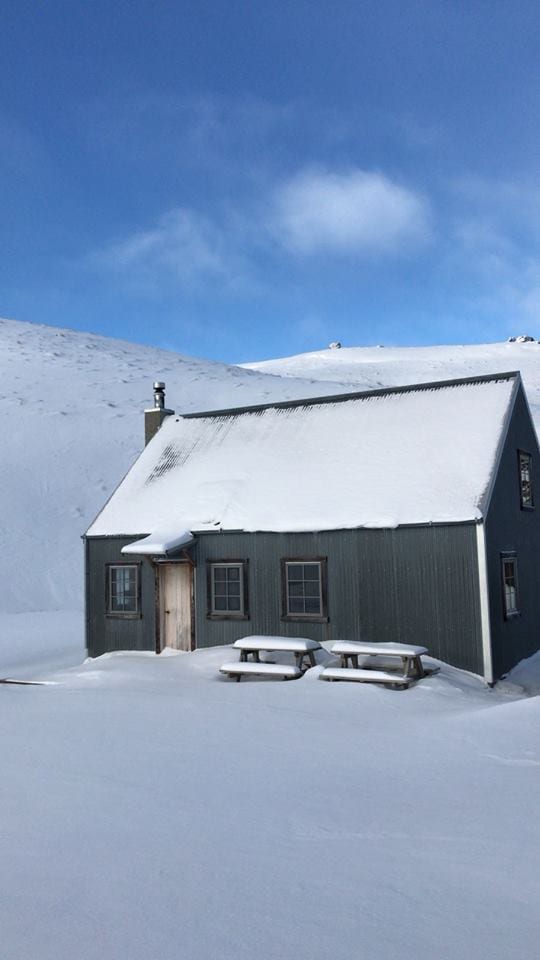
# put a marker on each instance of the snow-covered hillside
(72, 423)
(71, 408)
(371, 367)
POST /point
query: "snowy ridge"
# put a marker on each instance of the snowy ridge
(372, 367)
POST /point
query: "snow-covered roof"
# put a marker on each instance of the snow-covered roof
(418, 454)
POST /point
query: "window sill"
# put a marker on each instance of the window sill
(512, 615)
(123, 616)
(303, 618)
(227, 616)
(527, 507)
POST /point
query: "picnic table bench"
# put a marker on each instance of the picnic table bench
(303, 650)
(409, 655)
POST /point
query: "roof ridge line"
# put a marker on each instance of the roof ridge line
(354, 395)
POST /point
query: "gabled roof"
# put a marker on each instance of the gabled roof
(419, 454)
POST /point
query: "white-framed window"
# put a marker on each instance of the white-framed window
(123, 589)
(227, 589)
(525, 480)
(509, 584)
(304, 589)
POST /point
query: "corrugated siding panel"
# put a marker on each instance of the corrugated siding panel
(414, 585)
(103, 633)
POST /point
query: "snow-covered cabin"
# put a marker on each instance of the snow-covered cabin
(406, 514)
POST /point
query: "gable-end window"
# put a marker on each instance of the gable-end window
(123, 589)
(525, 480)
(304, 589)
(509, 584)
(228, 589)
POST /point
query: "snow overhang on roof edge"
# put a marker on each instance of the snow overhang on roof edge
(159, 545)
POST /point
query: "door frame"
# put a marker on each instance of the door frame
(185, 561)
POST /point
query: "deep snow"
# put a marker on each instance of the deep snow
(152, 810)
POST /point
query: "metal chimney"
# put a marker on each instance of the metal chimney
(154, 418)
(159, 395)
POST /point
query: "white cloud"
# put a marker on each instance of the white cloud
(183, 246)
(354, 213)
(357, 212)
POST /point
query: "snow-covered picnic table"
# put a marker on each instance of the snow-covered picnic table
(302, 648)
(409, 655)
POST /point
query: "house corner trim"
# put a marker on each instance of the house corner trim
(483, 585)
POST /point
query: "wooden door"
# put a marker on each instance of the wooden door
(175, 582)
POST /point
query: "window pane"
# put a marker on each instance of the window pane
(296, 605)
(234, 603)
(313, 605)
(311, 588)
(233, 589)
(295, 571)
(233, 573)
(220, 603)
(509, 572)
(220, 573)
(296, 589)
(311, 571)
(220, 589)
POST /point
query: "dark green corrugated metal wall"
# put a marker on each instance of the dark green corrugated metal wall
(509, 528)
(103, 633)
(412, 584)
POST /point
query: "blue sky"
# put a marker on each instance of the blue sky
(242, 180)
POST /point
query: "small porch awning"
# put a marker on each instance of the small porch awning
(160, 543)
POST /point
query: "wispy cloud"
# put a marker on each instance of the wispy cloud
(184, 247)
(356, 212)
(496, 247)
(346, 215)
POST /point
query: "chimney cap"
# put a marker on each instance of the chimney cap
(159, 385)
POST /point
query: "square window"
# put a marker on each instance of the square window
(123, 589)
(304, 589)
(227, 589)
